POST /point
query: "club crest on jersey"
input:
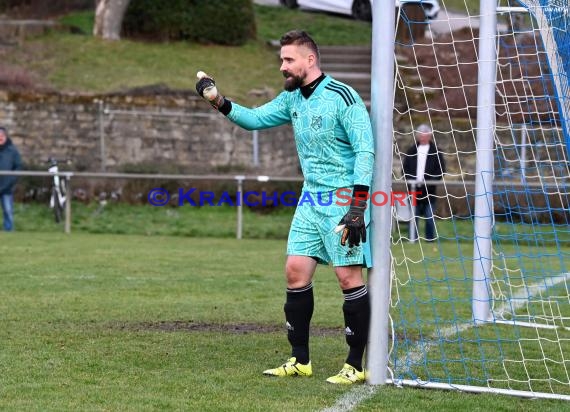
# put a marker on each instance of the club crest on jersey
(317, 122)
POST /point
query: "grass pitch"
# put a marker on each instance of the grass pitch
(120, 322)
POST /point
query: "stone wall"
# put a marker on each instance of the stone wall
(174, 133)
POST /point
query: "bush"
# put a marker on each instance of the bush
(227, 22)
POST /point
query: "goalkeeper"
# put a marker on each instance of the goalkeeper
(335, 145)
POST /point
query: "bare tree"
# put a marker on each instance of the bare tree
(109, 18)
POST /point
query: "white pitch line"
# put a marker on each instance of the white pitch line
(359, 394)
(353, 398)
(520, 299)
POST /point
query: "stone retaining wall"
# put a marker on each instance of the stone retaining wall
(167, 133)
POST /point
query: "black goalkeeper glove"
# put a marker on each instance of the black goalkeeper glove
(352, 224)
(206, 87)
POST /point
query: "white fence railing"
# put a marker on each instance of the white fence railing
(238, 179)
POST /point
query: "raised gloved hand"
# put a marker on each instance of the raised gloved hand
(352, 224)
(206, 87)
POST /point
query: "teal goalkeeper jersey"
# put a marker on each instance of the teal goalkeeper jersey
(332, 132)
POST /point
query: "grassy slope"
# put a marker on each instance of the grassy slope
(81, 63)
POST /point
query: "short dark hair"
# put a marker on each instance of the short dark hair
(300, 38)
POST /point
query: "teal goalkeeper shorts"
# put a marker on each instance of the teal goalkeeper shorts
(312, 234)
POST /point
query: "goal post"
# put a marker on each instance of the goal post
(484, 174)
(485, 307)
(382, 90)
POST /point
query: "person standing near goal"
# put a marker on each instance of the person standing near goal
(423, 163)
(335, 145)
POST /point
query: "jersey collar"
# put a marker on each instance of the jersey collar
(308, 89)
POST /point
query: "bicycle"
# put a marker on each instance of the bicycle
(58, 195)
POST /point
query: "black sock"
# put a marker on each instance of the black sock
(298, 312)
(356, 309)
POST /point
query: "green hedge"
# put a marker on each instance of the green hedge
(228, 22)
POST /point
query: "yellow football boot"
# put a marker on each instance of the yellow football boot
(291, 368)
(347, 376)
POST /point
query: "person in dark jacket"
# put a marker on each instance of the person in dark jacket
(9, 160)
(423, 163)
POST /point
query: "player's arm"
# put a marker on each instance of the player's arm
(356, 122)
(271, 114)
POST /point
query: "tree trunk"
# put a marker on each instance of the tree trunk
(109, 18)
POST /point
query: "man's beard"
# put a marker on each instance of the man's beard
(292, 82)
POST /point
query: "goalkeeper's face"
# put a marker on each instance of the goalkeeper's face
(292, 82)
(294, 66)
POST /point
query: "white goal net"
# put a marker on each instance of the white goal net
(522, 343)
